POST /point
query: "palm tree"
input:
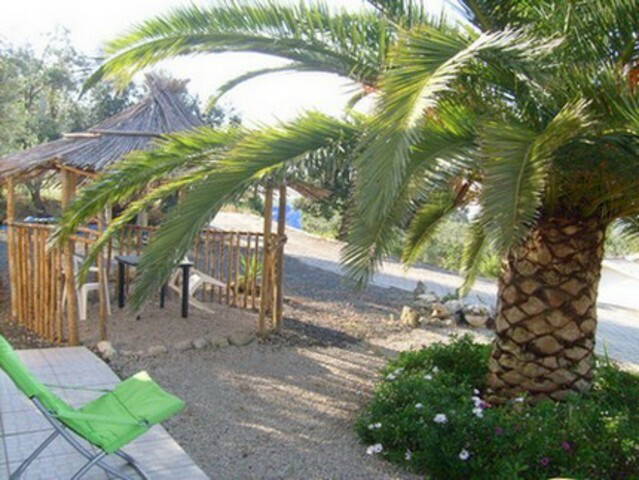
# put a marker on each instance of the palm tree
(530, 112)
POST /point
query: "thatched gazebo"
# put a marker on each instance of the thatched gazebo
(162, 111)
(39, 275)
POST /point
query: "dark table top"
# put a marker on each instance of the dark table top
(134, 260)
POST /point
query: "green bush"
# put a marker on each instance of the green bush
(428, 416)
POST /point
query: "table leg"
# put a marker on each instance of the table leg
(185, 290)
(121, 272)
(162, 295)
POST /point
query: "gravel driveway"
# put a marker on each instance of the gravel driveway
(278, 412)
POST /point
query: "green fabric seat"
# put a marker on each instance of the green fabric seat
(111, 421)
(136, 404)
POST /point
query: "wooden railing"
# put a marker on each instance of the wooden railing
(36, 281)
(234, 263)
(234, 259)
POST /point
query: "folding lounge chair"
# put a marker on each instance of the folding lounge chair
(109, 423)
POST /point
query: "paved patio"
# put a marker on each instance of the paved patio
(23, 428)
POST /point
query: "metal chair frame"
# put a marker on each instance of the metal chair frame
(94, 459)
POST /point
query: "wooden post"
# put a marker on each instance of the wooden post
(11, 218)
(68, 190)
(266, 266)
(279, 275)
(143, 218)
(103, 281)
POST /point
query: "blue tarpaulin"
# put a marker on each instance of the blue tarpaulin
(293, 216)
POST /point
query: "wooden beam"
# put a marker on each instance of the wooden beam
(125, 133)
(84, 135)
(266, 266)
(11, 218)
(103, 281)
(69, 181)
(281, 233)
(77, 171)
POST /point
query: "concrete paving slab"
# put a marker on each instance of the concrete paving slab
(23, 428)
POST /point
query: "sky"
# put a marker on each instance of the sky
(262, 100)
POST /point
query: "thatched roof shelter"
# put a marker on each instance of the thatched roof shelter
(162, 111)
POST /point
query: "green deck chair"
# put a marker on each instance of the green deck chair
(110, 422)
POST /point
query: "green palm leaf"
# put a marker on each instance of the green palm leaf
(257, 155)
(425, 222)
(475, 247)
(140, 169)
(426, 63)
(517, 166)
(446, 150)
(342, 43)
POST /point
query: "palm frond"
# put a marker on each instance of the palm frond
(260, 154)
(134, 208)
(629, 227)
(425, 222)
(446, 151)
(517, 166)
(342, 43)
(474, 249)
(426, 63)
(140, 169)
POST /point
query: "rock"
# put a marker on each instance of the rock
(106, 350)
(448, 322)
(183, 346)
(454, 306)
(475, 309)
(219, 342)
(239, 339)
(437, 322)
(428, 297)
(409, 317)
(200, 343)
(439, 310)
(477, 321)
(420, 289)
(156, 350)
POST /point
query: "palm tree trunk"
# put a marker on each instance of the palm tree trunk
(547, 314)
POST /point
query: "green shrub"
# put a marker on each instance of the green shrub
(590, 436)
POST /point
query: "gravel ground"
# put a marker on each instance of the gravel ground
(272, 411)
(165, 326)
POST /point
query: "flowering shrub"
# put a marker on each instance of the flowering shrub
(428, 414)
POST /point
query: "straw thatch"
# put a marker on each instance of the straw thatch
(162, 111)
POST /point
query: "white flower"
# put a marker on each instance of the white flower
(435, 369)
(377, 448)
(464, 455)
(477, 401)
(428, 376)
(375, 426)
(390, 376)
(479, 412)
(440, 418)
(408, 455)
(475, 392)
(419, 406)
(519, 400)
(398, 371)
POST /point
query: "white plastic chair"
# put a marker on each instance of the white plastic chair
(197, 279)
(84, 290)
